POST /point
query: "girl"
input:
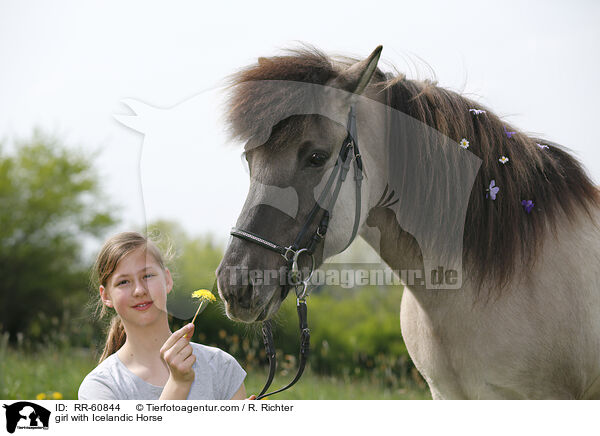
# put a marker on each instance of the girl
(142, 359)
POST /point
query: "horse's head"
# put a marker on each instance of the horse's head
(288, 173)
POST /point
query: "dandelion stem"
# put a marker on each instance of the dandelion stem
(205, 296)
(198, 311)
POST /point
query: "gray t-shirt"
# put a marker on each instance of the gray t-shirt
(217, 377)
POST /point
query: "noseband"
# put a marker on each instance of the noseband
(293, 252)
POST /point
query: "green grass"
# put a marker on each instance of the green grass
(314, 387)
(24, 375)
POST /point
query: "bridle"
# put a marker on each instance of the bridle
(293, 252)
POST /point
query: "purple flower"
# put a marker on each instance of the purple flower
(528, 205)
(509, 134)
(493, 190)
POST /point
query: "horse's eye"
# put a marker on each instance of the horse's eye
(318, 159)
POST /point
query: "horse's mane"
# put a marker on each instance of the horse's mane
(499, 233)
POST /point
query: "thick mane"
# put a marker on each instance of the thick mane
(499, 233)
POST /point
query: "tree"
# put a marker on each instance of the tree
(49, 202)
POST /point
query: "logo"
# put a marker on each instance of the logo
(26, 415)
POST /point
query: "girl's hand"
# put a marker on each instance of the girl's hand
(252, 397)
(178, 354)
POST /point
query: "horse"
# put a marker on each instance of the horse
(447, 182)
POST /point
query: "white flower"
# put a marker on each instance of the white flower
(503, 159)
(464, 143)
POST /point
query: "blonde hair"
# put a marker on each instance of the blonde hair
(113, 250)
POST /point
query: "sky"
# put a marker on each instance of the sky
(67, 68)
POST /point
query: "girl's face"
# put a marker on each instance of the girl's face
(138, 288)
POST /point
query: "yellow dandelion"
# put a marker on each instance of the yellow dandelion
(205, 296)
(57, 396)
(40, 396)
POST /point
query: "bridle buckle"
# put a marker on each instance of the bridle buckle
(287, 251)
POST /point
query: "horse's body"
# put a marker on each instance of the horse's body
(525, 321)
(539, 339)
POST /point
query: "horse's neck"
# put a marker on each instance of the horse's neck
(578, 236)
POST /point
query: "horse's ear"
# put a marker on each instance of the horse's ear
(356, 78)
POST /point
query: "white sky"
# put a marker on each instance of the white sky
(65, 66)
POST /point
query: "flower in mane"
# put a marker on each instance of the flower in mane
(477, 111)
(528, 205)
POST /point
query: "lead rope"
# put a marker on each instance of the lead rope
(301, 287)
(270, 350)
(269, 346)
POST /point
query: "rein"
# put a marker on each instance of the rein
(292, 253)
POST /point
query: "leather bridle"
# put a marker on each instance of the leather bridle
(348, 153)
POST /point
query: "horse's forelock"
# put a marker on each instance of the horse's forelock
(257, 99)
(255, 105)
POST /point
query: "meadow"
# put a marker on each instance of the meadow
(52, 373)
(357, 351)
(51, 332)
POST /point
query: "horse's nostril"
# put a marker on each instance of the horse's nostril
(243, 297)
